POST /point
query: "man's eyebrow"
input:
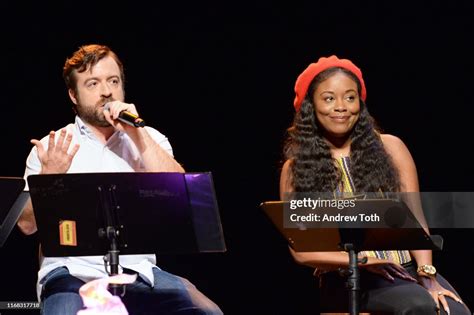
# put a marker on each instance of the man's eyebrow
(90, 79)
(98, 79)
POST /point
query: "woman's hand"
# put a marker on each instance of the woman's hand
(389, 271)
(437, 292)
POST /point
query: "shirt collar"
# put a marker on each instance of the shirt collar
(86, 131)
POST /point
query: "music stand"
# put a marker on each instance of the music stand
(402, 232)
(11, 204)
(126, 213)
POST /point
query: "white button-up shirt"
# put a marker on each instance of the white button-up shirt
(118, 154)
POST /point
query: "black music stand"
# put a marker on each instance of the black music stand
(11, 204)
(126, 213)
(401, 232)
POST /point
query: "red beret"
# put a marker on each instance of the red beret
(305, 78)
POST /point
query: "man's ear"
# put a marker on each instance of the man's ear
(72, 96)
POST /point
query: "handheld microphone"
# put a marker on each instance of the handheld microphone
(128, 118)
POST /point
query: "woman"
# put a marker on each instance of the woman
(334, 146)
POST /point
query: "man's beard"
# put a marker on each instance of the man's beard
(92, 115)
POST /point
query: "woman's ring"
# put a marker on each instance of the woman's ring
(440, 293)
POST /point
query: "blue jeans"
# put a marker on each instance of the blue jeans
(170, 295)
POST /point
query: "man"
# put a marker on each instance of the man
(99, 142)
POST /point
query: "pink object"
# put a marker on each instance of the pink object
(98, 300)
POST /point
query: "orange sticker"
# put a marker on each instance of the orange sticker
(67, 233)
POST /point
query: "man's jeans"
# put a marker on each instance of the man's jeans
(170, 295)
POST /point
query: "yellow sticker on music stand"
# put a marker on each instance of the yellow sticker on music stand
(67, 233)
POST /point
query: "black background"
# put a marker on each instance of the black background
(217, 79)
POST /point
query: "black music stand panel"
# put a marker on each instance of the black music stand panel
(12, 201)
(162, 213)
